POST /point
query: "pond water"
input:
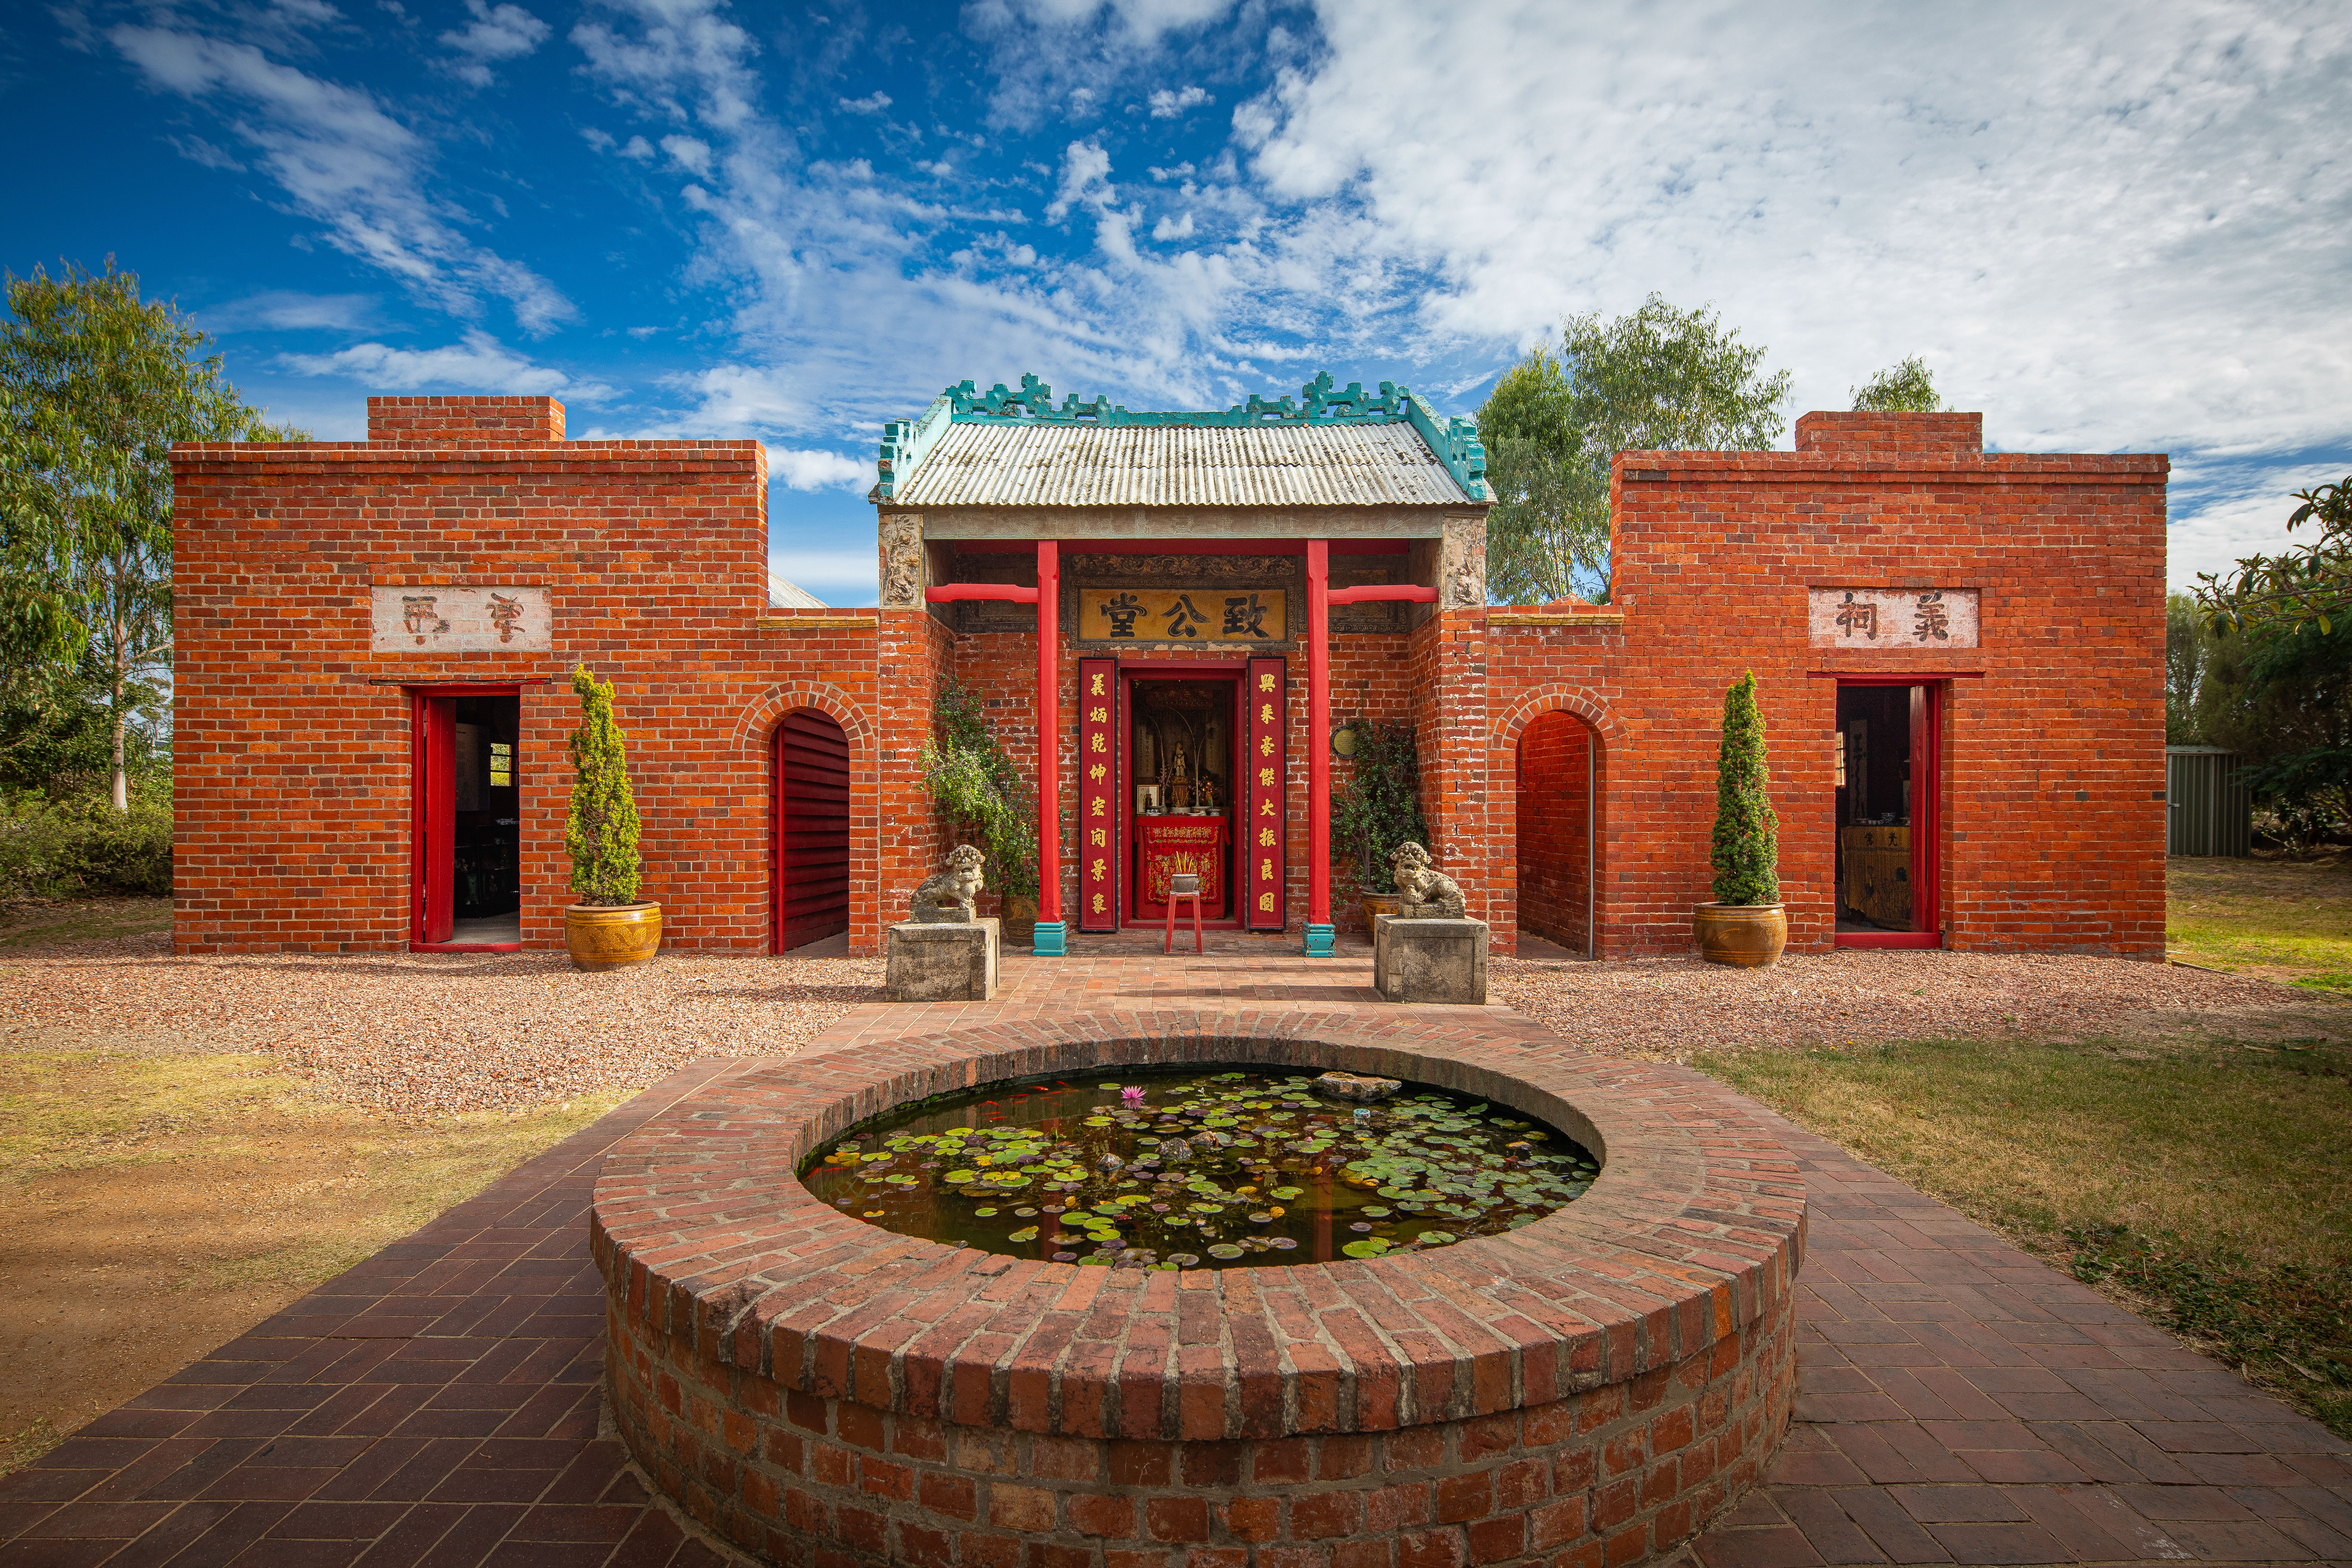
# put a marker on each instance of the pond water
(1198, 1169)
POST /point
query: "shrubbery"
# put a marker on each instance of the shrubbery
(58, 849)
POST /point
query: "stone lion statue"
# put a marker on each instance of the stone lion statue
(946, 898)
(1423, 892)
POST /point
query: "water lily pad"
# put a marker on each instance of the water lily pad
(1370, 1246)
(984, 1212)
(1183, 1259)
(957, 1178)
(1376, 1211)
(1028, 1233)
(1438, 1238)
(1225, 1249)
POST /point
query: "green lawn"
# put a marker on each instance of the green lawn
(2288, 920)
(2206, 1182)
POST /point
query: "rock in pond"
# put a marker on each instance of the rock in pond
(1356, 1085)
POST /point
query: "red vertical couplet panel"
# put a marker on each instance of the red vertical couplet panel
(432, 730)
(1259, 836)
(1319, 933)
(1049, 732)
(1099, 851)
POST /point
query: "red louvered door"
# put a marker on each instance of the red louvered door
(811, 875)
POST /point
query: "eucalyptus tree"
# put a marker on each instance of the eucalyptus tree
(1907, 386)
(1660, 379)
(95, 385)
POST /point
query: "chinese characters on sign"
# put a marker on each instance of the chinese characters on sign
(1258, 826)
(459, 620)
(1935, 618)
(1099, 849)
(1204, 615)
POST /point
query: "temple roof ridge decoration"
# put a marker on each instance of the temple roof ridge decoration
(1451, 441)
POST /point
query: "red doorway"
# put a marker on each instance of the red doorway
(1889, 812)
(809, 874)
(465, 819)
(1146, 762)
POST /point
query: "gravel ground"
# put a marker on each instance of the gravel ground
(1671, 1007)
(427, 1034)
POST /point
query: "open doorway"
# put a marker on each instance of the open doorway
(467, 887)
(811, 875)
(1560, 766)
(1181, 759)
(1887, 774)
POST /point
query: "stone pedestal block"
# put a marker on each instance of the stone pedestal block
(1429, 961)
(950, 963)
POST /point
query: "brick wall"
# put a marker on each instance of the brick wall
(2052, 796)
(293, 745)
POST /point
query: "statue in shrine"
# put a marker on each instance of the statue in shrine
(1179, 789)
(948, 898)
(1423, 892)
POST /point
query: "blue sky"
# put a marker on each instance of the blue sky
(2108, 228)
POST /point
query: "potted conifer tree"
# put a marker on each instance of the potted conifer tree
(608, 928)
(1747, 924)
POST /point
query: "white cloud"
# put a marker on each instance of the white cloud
(479, 363)
(815, 471)
(1169, 228)
(680, 52)
(1085, 177)
(688, 153)
(196, 149)
(503, 32)
(282, 309)
(872, 104)
(346, 163)
(640, 149)
(2107, 230)
(1167, 104)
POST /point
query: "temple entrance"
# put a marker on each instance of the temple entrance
(466, 886)
(1559, 802)
(1887, 772)
(1180, 805)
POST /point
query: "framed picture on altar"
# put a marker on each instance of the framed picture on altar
(1147, 797)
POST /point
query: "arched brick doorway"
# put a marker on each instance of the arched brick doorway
(1559, 830)
(810, 876)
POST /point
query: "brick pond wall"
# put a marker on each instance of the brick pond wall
(1589, 1389)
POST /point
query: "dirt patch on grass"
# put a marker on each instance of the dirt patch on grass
(157, 1203)
(140, 925)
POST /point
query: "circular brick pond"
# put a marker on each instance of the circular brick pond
(1589, 1388)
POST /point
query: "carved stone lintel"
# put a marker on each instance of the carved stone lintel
(902, 561)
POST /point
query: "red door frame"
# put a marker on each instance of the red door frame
(1234, 669)
(1926, 816)
(433, 814)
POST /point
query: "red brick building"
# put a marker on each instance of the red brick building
(1959, 658)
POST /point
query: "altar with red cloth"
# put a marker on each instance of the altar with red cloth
(1161, 840)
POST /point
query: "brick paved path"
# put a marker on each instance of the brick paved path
(438, 1406)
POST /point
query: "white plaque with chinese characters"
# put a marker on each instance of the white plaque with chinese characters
(1892, 618)
(461, 620)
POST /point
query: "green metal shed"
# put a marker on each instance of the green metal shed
(2205, 813)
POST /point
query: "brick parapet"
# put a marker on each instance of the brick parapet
(1598, 1382)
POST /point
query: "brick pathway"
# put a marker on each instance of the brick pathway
(438, 1405)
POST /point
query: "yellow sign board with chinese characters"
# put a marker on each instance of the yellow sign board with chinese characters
(1226, 616)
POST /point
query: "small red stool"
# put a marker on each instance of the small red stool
(1168, 943)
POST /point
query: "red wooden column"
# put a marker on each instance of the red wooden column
(1322, 936)
(1053, 933)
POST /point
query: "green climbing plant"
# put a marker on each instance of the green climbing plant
(969, 778)
(1747, 841)
(601, 834)
(1380, 807)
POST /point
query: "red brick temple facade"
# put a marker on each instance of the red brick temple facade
(1959, 658)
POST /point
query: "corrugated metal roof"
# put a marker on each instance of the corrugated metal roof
(994, 464)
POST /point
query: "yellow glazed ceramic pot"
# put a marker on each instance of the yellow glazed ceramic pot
(611, 936)
(1749, 936)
